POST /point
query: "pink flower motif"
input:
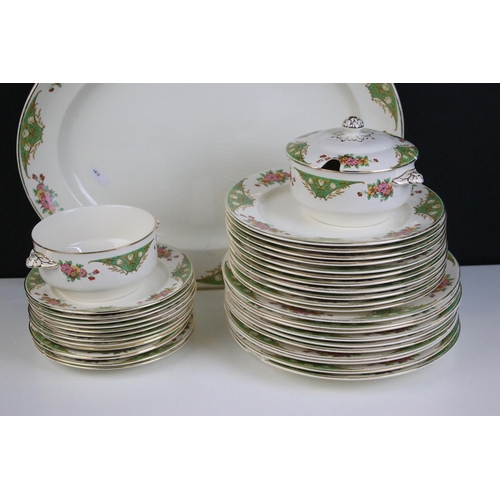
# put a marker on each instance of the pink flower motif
(385, 188)
(164, 252)
(83, 273)
(351, 162)
(66, 268)
(271, 177)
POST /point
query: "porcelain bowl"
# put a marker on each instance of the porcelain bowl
(95, 253)
(355, 200)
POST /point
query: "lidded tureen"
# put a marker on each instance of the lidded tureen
(352, 175)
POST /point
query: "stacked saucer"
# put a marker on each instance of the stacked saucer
(338, 302)
(151, 322)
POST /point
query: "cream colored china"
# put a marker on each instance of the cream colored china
(432, 277)
(307, 330)
(342, 359)
(446, 291)
(389, 370)
(263, 204)
(341, 341)
(352, 176)
(172, 272)
(95, 253)
(100, 346)
(118, 322)
(332, 254)
(54, 352)
(176, 149)
(146, 325)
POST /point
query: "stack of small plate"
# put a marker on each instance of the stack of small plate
(338, 302)
(148, 324)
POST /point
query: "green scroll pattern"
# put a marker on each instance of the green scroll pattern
(322, 187)
(126, 263)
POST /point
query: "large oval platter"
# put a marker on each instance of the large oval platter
(176, 149)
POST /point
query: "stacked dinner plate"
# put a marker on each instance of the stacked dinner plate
(338, 302)
(153, 321)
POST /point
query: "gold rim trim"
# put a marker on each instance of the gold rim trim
(96, 251)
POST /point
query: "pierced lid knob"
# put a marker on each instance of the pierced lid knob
(353, 122)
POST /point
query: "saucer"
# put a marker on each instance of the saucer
(270, 209)
(54, 352)
(173, 272)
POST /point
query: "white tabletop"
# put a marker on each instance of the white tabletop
(212, 375)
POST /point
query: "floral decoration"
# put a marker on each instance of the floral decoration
(52, 301)
(347, 161)
(165, 253)
(381, 190)
(45, 197)
(350, 161)
(407, 231)
(263, 226)
(445, 283)
(75, 272)
(160, 295)
(273, 177)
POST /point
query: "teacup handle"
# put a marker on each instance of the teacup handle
(409, 177)
(37, 259)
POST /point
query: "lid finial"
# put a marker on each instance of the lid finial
(353, 122)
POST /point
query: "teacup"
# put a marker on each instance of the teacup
(95, 253)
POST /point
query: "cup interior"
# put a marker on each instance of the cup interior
(95, 228)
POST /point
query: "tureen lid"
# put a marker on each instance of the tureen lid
(352, 148)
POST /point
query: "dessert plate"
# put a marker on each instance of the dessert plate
(53, 351)
(338, 359)
(125, 349)
(170, 276)
(419, 307)
(334, 304)
(176, 149)
(270, 272)
(342, 342)
(335, 293)
(388, 370)
(269, 209)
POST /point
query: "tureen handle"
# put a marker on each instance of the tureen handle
(37, 259)
(409, 177)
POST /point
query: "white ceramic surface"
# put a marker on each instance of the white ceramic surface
(176, 149)
(348, 320)
(95, 253)
(263, 203)
(352, 175)
(173, 273)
